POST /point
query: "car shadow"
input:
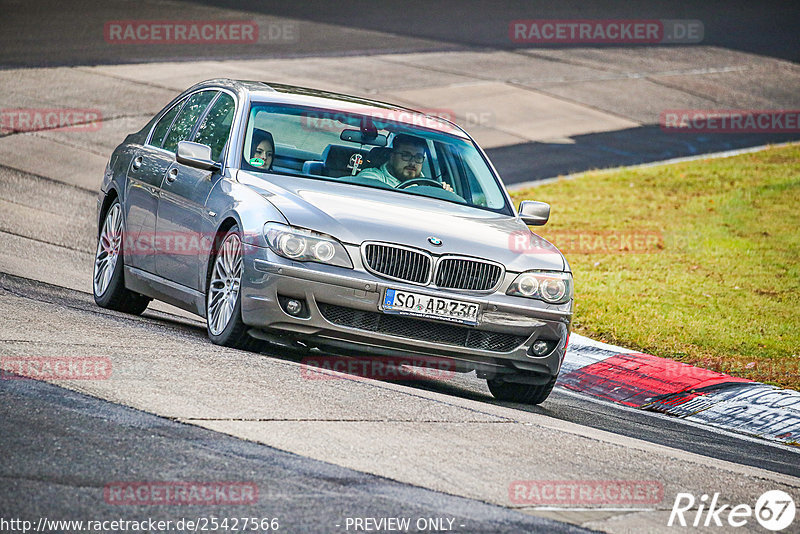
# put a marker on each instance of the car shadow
(461, 385)
(632, 146)
(433, 379)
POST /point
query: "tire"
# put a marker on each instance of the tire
(223, 295)
(522, 393)
(108, 275)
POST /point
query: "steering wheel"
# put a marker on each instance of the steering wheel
(420, 181)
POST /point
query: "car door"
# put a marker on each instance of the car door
(148, 164)
(182, 207)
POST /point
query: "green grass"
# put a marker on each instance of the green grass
(723, 291)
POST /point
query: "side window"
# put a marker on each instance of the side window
(184, 122)
(216, 126)
(163, 125)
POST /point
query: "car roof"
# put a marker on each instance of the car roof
(327, 100)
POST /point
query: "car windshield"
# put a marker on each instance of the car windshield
(371, 149)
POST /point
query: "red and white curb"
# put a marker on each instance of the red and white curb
(658, 384)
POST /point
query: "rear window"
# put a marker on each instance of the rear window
(186, 119)
(164, 123)
(216, 126)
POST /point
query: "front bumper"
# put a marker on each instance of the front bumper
(344, 316)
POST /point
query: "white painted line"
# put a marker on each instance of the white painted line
(711, 155)
(577, 341)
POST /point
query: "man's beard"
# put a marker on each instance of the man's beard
(409, 172)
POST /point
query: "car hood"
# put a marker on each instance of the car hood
(354, 214)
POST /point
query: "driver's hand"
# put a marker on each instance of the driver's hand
(447, 187)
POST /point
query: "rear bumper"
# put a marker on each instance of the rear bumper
(344, 316)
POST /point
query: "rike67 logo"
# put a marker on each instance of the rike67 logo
(775, 510)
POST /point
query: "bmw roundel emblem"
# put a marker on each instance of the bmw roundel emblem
(435, 241)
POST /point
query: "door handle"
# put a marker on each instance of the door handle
(172, 175)
(137, 162)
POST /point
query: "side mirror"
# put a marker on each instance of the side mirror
(534, 213)
(196, 155)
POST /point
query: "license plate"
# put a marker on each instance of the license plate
(429, 307)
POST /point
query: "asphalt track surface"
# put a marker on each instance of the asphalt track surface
(67, 446)
(60, 447)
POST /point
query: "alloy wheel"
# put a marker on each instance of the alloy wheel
(108, 248)
(223, 291)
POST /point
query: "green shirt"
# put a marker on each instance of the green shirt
(381, 174)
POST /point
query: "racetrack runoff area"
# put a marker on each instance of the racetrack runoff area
(448, 437)
(539, 113)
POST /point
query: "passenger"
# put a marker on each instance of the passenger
(262, 150)
(405, 162)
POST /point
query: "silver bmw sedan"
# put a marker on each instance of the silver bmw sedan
(326, 222)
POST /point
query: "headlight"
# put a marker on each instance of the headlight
(304, 245)
(551, 287)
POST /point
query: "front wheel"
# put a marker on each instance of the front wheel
(108, 277)
(223, 296)
(522, 393)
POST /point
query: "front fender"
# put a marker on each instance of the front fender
(247, 205)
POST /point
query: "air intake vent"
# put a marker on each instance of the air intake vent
(398, 263)
(463, 273)
(410, 328)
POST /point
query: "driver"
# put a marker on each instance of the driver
(405, 162)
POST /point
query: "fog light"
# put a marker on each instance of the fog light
(540, 347)
(293, 307)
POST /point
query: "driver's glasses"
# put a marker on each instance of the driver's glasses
(408, 156)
